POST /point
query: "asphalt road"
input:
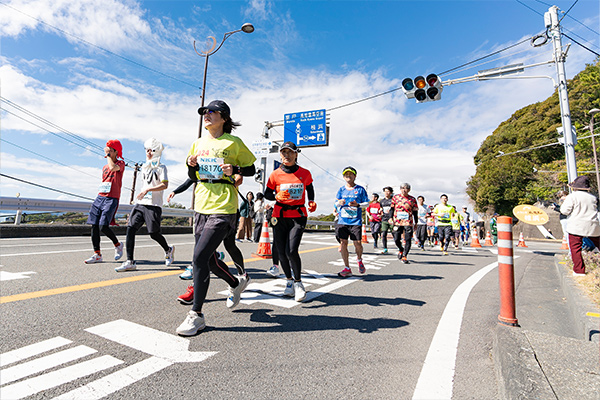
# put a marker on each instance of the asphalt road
(84, 331)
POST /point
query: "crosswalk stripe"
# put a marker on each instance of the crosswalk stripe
(47, 381)
(32, 350)
(19, 371)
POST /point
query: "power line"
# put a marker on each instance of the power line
(45, 187)
(52, 160)
(525, 5)
(585, 47)
(101, 48)
(572, 5)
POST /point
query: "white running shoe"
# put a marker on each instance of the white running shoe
(273, 271)
(289, 288)
(128, 265)
(299, 292)
(244, 281)
(193, 323)
(233, 299)
(95, 258)
(188, 273)
(170, 256)
(119, 251)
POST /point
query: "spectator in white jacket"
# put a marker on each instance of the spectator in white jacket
(259, 215)
(581, 207)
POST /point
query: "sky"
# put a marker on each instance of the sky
(76, 73)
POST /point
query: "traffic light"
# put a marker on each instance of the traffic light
(259, 176)
(423, 89)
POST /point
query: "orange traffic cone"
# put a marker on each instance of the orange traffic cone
(364, 234)
(264, 245)
(564, 245)
(488, 240)
(475, 239)
(521, 241)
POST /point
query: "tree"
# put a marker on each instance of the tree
(503, 181)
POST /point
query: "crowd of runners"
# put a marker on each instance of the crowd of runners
(217, 163)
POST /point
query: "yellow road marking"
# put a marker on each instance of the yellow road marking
(112, 282)
(593, 314)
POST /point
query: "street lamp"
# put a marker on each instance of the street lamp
(246, 28)
(592, 113)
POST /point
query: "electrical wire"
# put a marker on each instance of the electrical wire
(525, 5)
(567, 12)
(585, 47)
(101, 48)
(545, 145)
(52, 160)
(45, 187)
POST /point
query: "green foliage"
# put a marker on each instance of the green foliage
(500, 183)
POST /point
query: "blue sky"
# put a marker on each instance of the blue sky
(126, 69)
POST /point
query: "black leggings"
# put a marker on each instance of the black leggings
(96, 235)
(130, 241)
(408, 234)
(234, 252)
(287, 236)
(215, 229)
(421, 234)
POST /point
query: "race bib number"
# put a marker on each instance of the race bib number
(402, 215)
(294, 189)
(374, 211)
(210, 167)
(387, 209)
(105, 187)
(422, 215)
(446, 216)
(349, 212)
(147, 196)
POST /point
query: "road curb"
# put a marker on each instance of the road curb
(578, 303)
(517, 369)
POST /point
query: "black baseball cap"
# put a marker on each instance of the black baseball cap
(216, 105)
(291, 146)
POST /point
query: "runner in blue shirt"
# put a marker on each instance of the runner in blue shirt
(349, 199)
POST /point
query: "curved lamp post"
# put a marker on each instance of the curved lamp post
(246, 28)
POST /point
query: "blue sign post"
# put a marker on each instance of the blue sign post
(306, 128)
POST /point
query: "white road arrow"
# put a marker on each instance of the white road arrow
(150, 341)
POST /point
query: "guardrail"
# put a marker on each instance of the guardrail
(28, 204)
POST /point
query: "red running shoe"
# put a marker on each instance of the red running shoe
(187, 297)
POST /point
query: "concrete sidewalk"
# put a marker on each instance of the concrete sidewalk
(554, 354)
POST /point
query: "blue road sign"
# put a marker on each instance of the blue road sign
(306, 128)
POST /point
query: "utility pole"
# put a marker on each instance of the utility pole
(553, 28)
(136, 168)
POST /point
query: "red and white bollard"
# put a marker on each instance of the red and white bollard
(506, 272)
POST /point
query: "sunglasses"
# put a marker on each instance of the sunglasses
(209, 112)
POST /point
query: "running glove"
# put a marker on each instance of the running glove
(312, 206)
(282, 195)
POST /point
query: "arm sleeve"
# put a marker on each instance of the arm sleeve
(248, 171)
(269, 194)
(184, 186)
(192, 173)
(567, 206)
(310, 192)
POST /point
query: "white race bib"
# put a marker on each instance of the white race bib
(386, 209)
(294, 189)
(349, 212)
(402, 215)
(210, 167)
(148, 196)
(105, 187)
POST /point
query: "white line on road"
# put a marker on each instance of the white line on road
(20, 371)
(437, 374)
(57, 378)
(117, 380)
(32, 350)
(78, 251)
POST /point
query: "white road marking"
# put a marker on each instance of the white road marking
(32, 350)
(19, 371)
(437, 374)
(10, 276)
(322, 243)
(150, 341)
(89, 250)
(56, 378)
(117, 380)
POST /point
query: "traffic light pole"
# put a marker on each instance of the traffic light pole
(553, 25)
